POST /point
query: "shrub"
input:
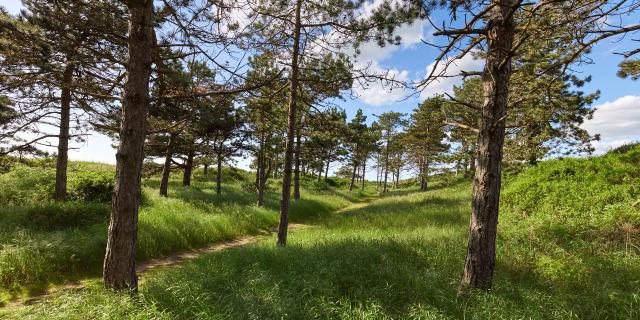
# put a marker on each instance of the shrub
(91, 186)
(34, 184)
(26, 184)
(336, 182)
(319, 185)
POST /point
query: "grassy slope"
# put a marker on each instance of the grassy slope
(43, 243)
(400, 257)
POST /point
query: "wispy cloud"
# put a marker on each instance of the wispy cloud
(617, 122)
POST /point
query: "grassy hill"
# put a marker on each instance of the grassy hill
(43, 243)
(568, 248)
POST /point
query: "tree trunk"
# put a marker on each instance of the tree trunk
(353, 176)
(378, 174)
(188, 168)
(119, 262)
(463, 161)
(481, 251)
(393, 180)
(262, 178)
(166, 170)
(205, 169)
(296, 178)
(326, 171)
(472, 160)
(364, 170)
(260, 170)
(258, 164)
(60, 192)
(288, 159)
(219, 175)
(275, 166)
(384, 180)
(398, 178)
(425, 176)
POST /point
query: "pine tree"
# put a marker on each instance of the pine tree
(425, 137)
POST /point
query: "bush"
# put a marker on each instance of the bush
(26, 184)
(320, 185)
(90, 186)
(336, 182)
(31, 184)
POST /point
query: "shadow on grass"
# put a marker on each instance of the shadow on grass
(376, 279)
(332, 280)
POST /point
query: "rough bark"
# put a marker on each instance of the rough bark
(119, 263)
(425, 176)
(296, 177)
(291, 118)
(166, 170)
(353, 176)
(481, 249)
(60, 191)
(188, 168)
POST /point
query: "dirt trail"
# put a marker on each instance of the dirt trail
(192, 254)
(167, 261)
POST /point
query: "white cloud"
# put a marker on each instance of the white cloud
(371, 55)
(617, 122)
(379, 93)
(411, 34)
(450, 76)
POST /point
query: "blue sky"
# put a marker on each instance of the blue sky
(617, 118)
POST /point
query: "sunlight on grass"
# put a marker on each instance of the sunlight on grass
(48, 243)
(395, 257)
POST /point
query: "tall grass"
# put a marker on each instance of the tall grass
(400, 257)
(44, 243)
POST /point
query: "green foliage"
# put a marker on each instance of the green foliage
(43, 242)
(91, 186)
(399, 257)
(25, 184)
(34, 183)
(337, 182)
(578, 199)
(629, 69)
